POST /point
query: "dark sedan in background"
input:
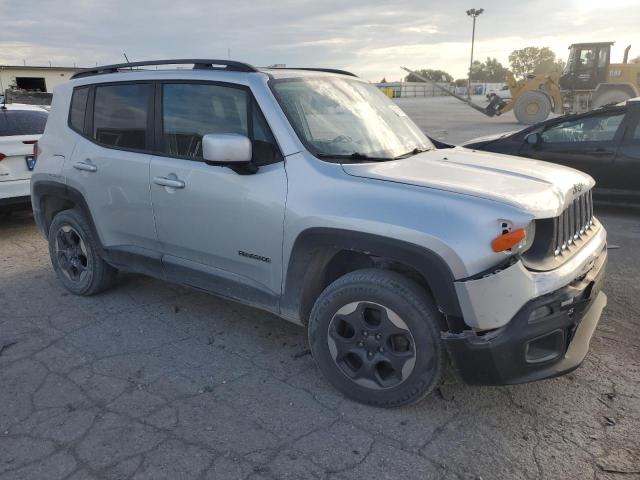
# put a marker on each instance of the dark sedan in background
(605, 143)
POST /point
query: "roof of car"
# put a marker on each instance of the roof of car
(22, 106)
(303, 72)
(204, 65)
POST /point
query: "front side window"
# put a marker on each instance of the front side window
(190, 111)
(569, 66)
(587, 59)
(603, 57)
(22, 122)
(120, 115)
(337, 118)
(595, 128)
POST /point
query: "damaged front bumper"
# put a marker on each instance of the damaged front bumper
(548, 335)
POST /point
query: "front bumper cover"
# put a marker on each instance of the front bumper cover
(490, 301)
(548, 337)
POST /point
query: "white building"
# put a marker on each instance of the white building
(35, 79)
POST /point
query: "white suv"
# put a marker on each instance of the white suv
(310, 194)
(20, 129)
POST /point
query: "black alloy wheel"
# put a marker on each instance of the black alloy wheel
(71, 253)
(372, 345)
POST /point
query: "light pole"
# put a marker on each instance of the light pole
(474, 14)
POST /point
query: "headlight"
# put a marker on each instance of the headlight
(514, 240)
(530, 233)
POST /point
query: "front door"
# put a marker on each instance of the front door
(591, 66)
(220, 229)
(587, 143)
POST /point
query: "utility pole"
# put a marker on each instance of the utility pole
(474, 14)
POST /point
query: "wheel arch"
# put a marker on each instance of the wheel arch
(321, 255)
(623, 86)
(50, 198)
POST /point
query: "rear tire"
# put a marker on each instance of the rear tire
(532, 107)
(375, 335)
(74, 255)
(610, 96)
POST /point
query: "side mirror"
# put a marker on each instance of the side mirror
(533, 139)
(226, 148)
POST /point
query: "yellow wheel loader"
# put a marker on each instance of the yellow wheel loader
(588, 81)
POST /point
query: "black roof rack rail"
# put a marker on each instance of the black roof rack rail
(312, 69)
(198, 64)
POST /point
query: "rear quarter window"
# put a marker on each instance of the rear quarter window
(22, 122)
(78, 108)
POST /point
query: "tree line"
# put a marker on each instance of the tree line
(522, 62)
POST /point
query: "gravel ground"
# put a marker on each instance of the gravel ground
(152, 380)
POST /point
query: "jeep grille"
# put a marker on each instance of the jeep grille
(574, 222)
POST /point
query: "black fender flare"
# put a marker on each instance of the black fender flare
(45, 188)
(314, 248)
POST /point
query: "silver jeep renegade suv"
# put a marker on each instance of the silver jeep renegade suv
(308, 193)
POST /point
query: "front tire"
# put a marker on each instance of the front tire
(532, 107)
(74, 255)
(375, 335)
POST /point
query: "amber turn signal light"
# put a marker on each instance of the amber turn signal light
(508, 240)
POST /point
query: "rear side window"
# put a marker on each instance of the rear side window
(120, 115)
(78, 108)
(22, 122)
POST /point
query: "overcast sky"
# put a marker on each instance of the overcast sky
(369, 38)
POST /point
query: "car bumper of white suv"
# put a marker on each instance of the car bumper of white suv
(14, 191)
(530, 325)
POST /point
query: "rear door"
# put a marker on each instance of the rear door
(110, 163)
(587, 143)
(221, 229)
(19, 130)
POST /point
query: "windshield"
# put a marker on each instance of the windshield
(338, 117)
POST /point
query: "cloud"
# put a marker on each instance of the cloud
(370, 38)
(422, 29)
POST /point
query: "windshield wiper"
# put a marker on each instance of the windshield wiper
(411, 153)
(354, 156)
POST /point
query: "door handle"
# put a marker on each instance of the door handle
(87, 167)
(168, 182)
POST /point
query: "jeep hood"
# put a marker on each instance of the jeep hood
(540, 188)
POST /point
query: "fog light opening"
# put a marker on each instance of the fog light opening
(545, 348)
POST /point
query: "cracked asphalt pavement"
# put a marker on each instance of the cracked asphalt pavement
(151, 380)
